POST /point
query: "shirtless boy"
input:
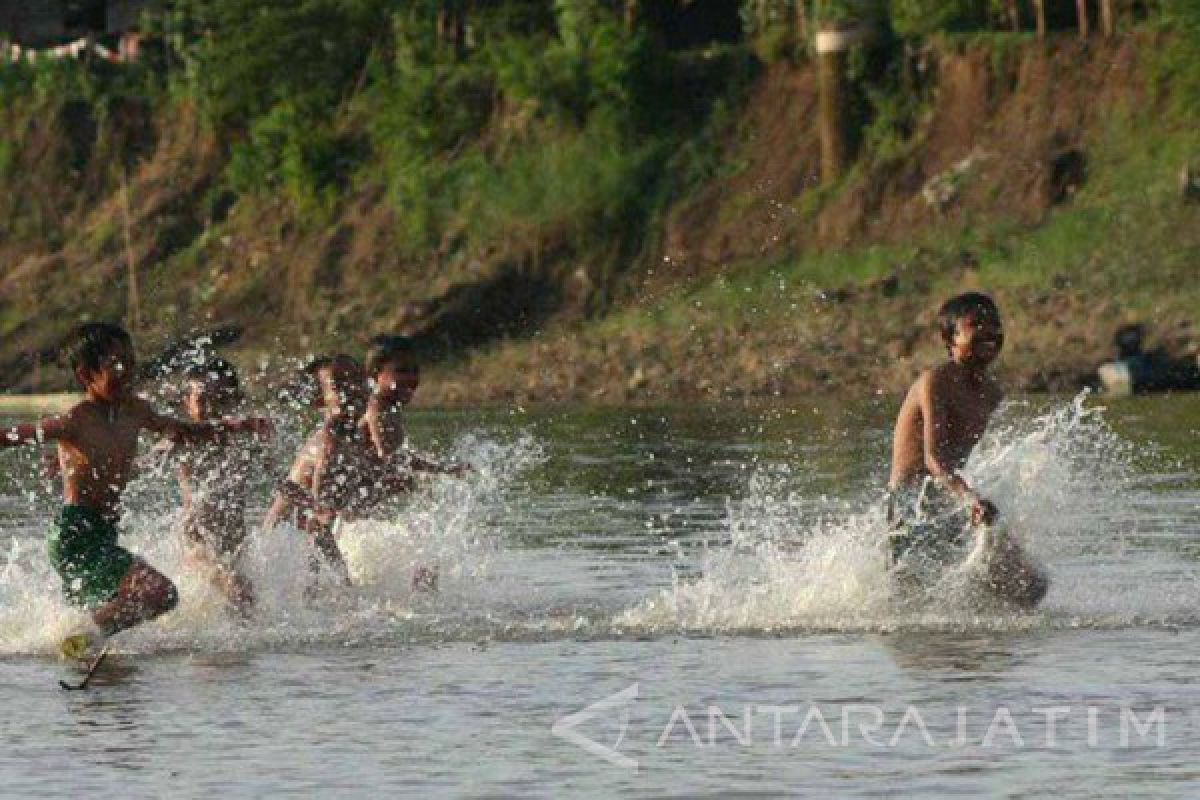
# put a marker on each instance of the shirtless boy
(942, 419)
(97, 443)
(336, 472)
(394, 375)
(212, 479)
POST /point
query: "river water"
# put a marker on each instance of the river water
(650, 603)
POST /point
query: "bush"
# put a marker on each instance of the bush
(923, 17)
(285, 151)
(1178, 63)
(248, 56)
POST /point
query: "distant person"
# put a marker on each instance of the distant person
(213, 478)
(97, 443)
(931, 507)
(1136, 370)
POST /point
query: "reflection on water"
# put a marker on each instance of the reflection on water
(724, 556)
(956, 656)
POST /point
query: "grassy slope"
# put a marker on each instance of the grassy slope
(1123, 248)
(810, 290)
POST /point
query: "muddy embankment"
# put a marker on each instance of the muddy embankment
(759, 283)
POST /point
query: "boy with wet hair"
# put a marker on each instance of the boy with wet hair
(931, 508)
(97, 442)
(394, 374)
(212, 479)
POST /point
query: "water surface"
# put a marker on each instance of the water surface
(715, 571)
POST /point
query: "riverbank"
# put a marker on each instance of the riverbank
(1046, 173)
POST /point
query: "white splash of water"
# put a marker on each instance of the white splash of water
(1066, 489)
(445, 525)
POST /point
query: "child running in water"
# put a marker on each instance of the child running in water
(931, 507)
(213, 478)
(336, 472)
(97, 442)
(394, 375)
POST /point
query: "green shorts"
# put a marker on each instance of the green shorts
(84, 552)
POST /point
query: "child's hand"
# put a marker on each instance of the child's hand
(983, 512)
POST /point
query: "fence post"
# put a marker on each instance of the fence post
(835, 119)
(1039, 11)
(1108, 18)
(1081, 7)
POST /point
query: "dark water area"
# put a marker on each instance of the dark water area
(710, 576)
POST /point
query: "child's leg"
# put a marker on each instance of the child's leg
(326, 545)
(236, 588)
(1014, 576)
(223, 575)
(323, 546)
(425, 578)
(144, 593)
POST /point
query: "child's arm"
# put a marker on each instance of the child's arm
(44, 430)
(291, 492)
(403, 456)
(182, 431)
(939, 461)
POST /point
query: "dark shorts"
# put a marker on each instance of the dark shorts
(84, 552)
(927, 527)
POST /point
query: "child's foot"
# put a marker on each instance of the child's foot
(82, 645)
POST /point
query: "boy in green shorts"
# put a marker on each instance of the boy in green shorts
(97, 442)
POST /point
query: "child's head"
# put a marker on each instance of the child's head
(392, 369)
(971, 329)
(341, 384)
(102, 358)
(211, 389)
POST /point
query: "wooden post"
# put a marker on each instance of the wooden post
(1039, 12)
(835, 123)
(801, 22)
(1081, 7)
(1108, 18)
(631, 15)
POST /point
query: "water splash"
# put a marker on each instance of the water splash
(1067, 489)
(448, 525)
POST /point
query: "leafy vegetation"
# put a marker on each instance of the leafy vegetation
(552, 135)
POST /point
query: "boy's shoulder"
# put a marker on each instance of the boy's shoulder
(948, 377)
(929, 378)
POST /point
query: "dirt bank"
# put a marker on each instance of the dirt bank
(1012, 175)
